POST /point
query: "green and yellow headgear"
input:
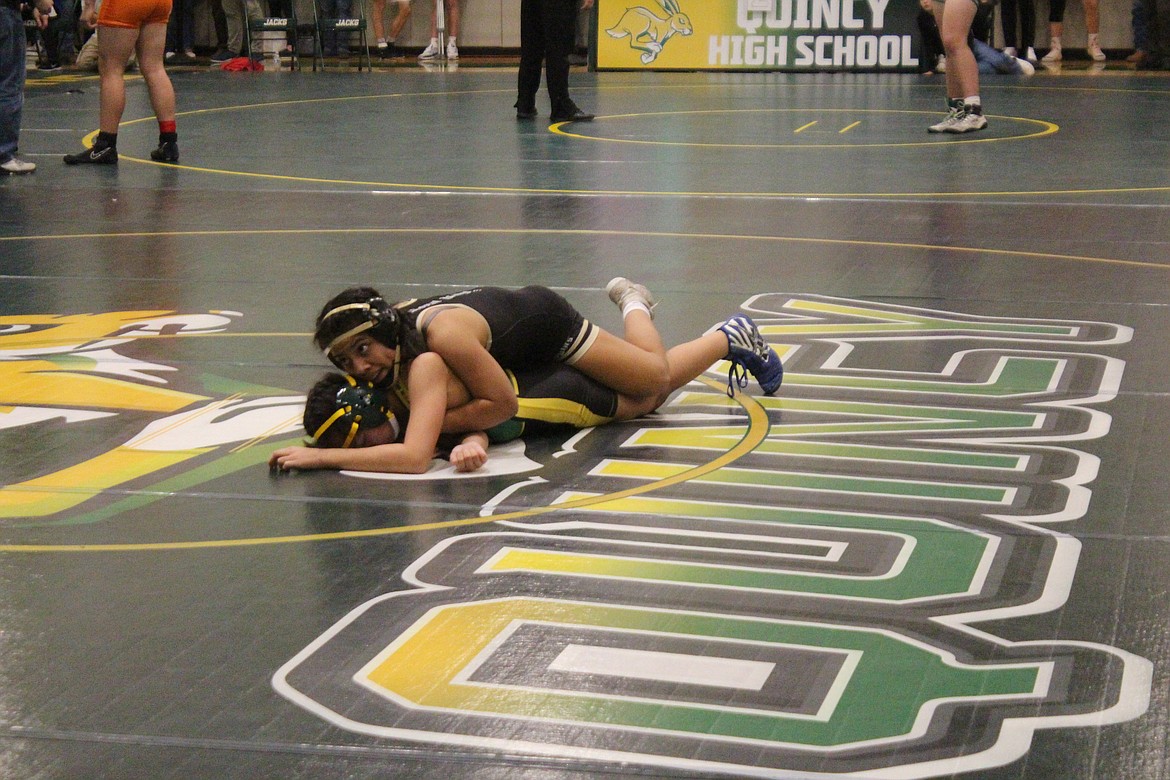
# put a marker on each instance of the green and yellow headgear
(360, 405)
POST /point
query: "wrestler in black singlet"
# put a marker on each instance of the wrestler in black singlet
(528, 327)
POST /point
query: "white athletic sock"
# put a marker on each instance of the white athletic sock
(973, 101)
(635, 306)
(382, 43)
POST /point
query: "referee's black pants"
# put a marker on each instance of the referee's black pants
(547, 31)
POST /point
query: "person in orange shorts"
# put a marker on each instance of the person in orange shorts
(130, 27)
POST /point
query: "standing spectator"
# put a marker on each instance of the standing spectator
(1156, 56)
(219, 22)
(931, 59)
(238, 13)
(57, 37)
(451, 8)
(1023, 11)
(181, 29)
(12, 62)
(1056, 30)
(383, 42)
(1140, 35)
(547, 30)
(127, 26)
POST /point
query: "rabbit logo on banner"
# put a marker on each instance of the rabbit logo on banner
(648, 32)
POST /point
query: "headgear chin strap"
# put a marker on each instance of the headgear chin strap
(362, 406)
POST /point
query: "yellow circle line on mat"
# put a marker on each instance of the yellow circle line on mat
(556, 129)
(590, 232)
(755, 433)
(1046, 128)
(414, 186)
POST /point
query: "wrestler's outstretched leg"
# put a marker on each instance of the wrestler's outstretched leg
(737, 340)
(635, 365)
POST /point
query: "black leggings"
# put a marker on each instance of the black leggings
(1027, 16)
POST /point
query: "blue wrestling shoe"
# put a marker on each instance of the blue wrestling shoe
(748, 351)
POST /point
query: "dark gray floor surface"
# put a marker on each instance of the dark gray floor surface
(944, 540)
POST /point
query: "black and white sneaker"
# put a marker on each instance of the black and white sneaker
(954, 111)
(106, 155)
(970, 120)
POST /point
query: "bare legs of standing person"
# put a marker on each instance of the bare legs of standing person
(383, 41)
(964, 106)
(1056, 31)
(114, 49)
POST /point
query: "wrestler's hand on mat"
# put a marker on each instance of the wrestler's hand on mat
(468, 455)
(288, 458)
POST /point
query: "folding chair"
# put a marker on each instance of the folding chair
(356, 24)
(282, 24)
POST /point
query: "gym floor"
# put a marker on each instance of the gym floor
(932, 554)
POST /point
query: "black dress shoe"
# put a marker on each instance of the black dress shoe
(525, 111)
(570, 113)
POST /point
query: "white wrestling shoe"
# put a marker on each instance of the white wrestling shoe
(622, 291)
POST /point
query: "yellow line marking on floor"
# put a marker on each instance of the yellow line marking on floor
(1046, 128)
(755, 432)
(570, 232)
(558, 129)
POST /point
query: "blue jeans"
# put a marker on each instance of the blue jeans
(992, 60)
(12, 43)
